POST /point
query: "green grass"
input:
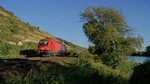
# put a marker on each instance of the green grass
(80, 71)
(126, 67)
(13, 51)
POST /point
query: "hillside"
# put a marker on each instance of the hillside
(16, 35)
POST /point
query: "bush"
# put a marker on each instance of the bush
(11, 51)
(30, 45)
(4, 48)
(141, 74)
(2, 80)
(111, 61)
(91, 49)
(15, 29)
(85, 72)
(126, 67)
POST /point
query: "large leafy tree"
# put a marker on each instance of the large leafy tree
(107, 29)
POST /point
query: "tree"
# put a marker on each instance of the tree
(147, 51)
(91, 49)
(107, 29)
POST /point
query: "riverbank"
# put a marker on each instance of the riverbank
(78, 71)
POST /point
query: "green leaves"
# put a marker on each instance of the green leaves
(15, 29)
(4, 48)
(107, 29)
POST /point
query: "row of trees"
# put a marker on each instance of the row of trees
(112, 37)
(147, 51)
(143, 53)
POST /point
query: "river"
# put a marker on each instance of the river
(138, 59)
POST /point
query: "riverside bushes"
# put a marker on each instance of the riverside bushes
(141, 74)
(82, 71)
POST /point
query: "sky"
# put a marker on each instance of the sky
(61, 18)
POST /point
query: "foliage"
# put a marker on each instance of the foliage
(141, 74)
(15, 29)
(91, 49)
(2, 80)
(107, 29)
(139, 53)
(147, 51)
(126, 67)
(16, 51)
(81, 71)
(4, 48)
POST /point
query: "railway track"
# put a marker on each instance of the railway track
(52, 59)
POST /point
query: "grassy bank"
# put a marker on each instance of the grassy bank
(81, 71)
(16, 51)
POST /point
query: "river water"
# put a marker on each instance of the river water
(138, 59)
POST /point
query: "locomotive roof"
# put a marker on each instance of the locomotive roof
(52, 39)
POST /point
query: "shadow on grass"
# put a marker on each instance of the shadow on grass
(29, 53)
(44, 72)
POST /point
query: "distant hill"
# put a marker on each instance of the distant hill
(16, 35)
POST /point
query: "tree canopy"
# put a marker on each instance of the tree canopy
(147, 51)
(107, 29)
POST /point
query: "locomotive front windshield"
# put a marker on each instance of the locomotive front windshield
(43, 43)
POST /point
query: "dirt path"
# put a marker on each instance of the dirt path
(52, 59)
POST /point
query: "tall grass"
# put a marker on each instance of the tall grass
(14, 51)
(84, 70)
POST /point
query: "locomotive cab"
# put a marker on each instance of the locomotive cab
(51, 47)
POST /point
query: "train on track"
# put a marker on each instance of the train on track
(53, 47)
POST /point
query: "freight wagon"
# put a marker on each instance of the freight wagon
(51, 47)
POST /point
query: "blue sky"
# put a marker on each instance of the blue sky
(61, 18)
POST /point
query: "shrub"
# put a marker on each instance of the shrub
(126, 67)
(141, 74)
(4, 48)
(2, 80)
(91, 49)
(111, 61)
(15, 29)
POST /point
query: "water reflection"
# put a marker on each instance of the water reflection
(138, 59)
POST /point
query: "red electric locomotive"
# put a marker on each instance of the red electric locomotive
(51, 47)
